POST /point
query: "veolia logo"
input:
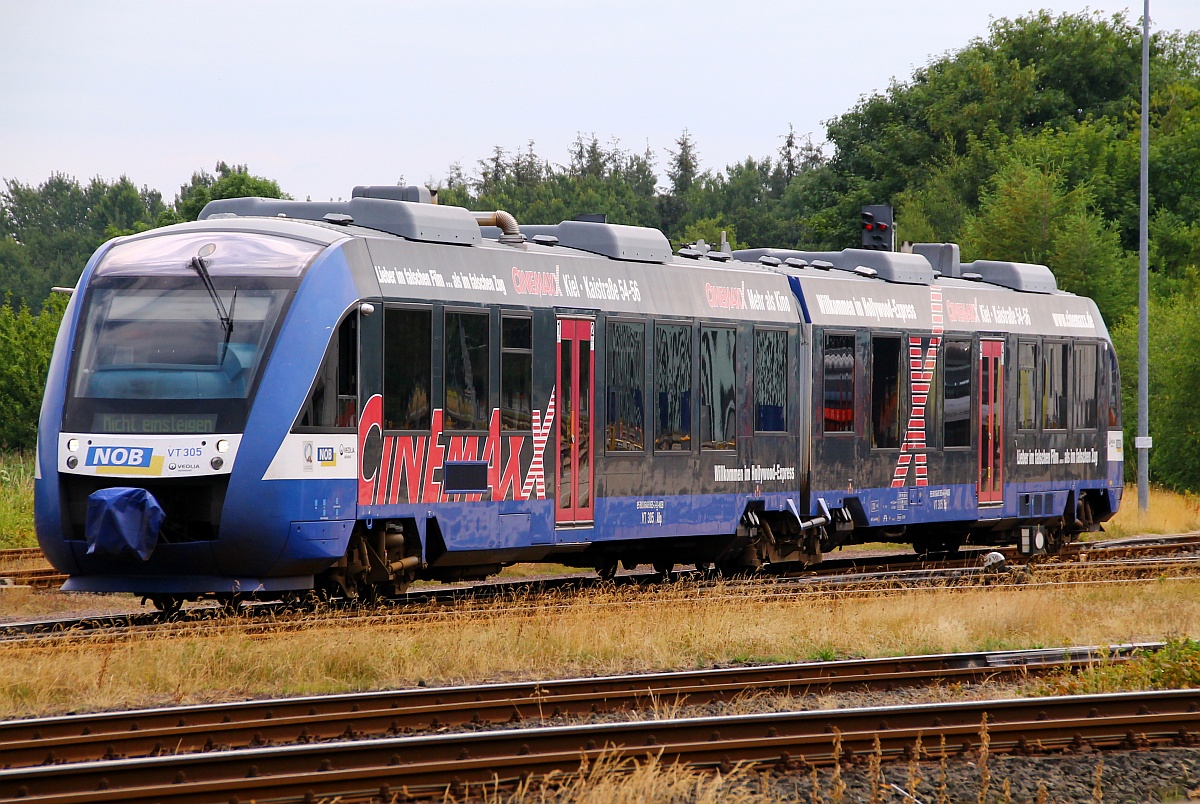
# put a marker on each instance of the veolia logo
(119, 456)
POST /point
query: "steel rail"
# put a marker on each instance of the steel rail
(148, 732)
(429, 764)
(451, 603)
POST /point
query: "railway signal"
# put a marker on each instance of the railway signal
(877, 229)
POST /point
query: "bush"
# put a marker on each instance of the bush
(26, 341)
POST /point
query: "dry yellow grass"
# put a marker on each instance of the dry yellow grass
(1169, 512)
(587, 634)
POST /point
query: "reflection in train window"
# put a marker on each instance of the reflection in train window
(956, 394)
(770, 380)
(516, 373)
(885, 392)
(467, 364)
(838, 391)
(626, 368)
(1027, 385)
(406, 369)
(1054, 386)
(673, 386)
(1083, 395)
(718, 387)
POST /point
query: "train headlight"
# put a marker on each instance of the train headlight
(216, 463)
(72, 462)
(222, 446)
(73, 445)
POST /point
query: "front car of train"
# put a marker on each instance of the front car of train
(158, 374)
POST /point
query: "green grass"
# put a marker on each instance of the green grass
(16, 500)
(1176, 666)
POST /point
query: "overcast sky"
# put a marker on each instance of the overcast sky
(322, 96)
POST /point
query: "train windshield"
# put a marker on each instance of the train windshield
(178, 345)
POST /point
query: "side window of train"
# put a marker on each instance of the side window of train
(885, 392)
(468, 362)
(1083, 394)
(957, 376)
(1114, 388)
(1054, 386)
(516, 373)
(407, 367)
(333, 401)
(673, 387)
(1027, 398)
(625, 395)
(838, 383)
(718, 387)
(770, 380)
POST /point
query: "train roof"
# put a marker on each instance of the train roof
(590, 265)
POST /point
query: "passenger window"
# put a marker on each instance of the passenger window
(516, 373)
(407, 363)
(467, 365)
(333, 402)
(885, 393)
(718, 387)
(626, 369)
(838, 391)
(770, 380)
(1083, 396)
(956, 394)
(1114, 390)
(673, 386)
(1054, 386)
(1027, 385)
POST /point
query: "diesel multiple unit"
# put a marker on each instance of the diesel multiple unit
(286, 396)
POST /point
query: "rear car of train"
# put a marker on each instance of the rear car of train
(156, 378)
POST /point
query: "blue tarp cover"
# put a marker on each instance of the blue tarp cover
(121, 519)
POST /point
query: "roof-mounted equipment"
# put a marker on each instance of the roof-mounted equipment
(415, 221)
(510, 231)
(1022, 276)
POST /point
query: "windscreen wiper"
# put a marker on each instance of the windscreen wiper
(201, 267)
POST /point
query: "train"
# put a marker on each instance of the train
(291, 398)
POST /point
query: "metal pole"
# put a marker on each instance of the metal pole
(1142, 443)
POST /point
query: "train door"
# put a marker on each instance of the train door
(576, 368)
(991, 421)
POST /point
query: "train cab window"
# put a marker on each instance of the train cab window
(468, 363)
(625, 359)
(516, 373)
(718, 387)
(956, 394)
(333, 401)
(885, 393)
(1083, 395)
(1027, 398)
(1054, 386)
(673, 387)
(770, 380)
(838, 390)
(407, 367)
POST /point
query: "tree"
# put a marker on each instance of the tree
(230, 182)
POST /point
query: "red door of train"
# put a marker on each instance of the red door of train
(576, 370)
(991, 421)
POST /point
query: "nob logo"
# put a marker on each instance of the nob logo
(119, 456)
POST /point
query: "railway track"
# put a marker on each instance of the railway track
(426, 765)
(74, 738)
(527, 598)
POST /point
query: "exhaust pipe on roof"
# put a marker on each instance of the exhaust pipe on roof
(510, 230)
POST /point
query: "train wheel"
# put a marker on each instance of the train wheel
(168, 605)
(665, 569)
(607, 569)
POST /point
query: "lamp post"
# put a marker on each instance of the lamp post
(1143, 442)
